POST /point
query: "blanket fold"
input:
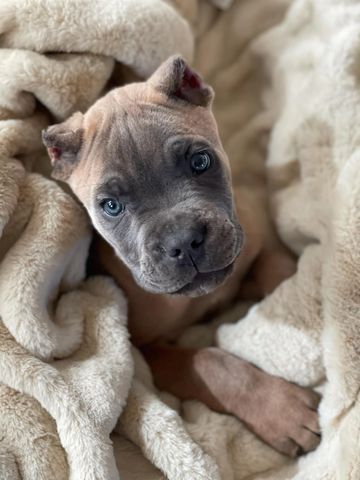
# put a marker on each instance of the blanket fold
(66, 366)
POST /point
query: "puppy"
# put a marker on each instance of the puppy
(147, 163)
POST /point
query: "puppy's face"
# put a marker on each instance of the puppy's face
(147, 163)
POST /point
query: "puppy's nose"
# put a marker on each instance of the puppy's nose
(185, 243)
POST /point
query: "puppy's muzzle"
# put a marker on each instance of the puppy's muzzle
(190, 254)
(183, 246)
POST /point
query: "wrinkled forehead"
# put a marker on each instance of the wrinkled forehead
(131, 135)
(138, 125)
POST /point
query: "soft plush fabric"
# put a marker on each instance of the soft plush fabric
(68, 377)
(65, 361)
(307, 331)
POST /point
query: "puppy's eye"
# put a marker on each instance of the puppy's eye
(200, 162)
(112, 207)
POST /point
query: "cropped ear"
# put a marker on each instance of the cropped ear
(176, 79)
(63, 142)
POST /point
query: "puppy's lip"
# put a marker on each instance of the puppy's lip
(204, 282)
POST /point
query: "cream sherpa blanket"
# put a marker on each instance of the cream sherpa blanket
(66, 369)
(65, 361)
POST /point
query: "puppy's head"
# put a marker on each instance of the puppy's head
(147, 163)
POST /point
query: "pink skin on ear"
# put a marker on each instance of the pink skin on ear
(189, 81)
(54, 153)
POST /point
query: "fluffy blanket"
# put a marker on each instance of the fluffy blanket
(65, 361)
(307, 331)
(66, 369)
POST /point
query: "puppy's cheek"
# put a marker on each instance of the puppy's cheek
(144, 271)
(151, 270)
(222, 243)
(240, 239)
(223, 233)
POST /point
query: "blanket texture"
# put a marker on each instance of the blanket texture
(75, 401)
(307, 331)
(65, 361)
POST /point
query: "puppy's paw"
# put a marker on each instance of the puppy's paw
(285, 416)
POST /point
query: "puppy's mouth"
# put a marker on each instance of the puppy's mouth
(204, 283)
(194, 277)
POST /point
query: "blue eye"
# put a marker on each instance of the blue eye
(112, 207)
(200, 162)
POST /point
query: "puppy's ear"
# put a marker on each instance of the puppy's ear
(63, 142)
(177, 80)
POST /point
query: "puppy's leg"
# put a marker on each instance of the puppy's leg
(281, 413)
(270, 269)
(267, 261)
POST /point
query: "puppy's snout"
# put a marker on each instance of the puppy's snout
(184, 243)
